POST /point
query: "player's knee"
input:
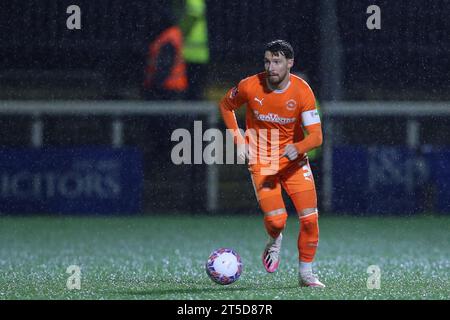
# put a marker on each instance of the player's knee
(308, 226)
(275, 223)
(309, 222)
(278, 224)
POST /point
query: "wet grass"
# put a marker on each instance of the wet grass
(162, 257)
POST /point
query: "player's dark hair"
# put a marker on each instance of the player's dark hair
(280, 46)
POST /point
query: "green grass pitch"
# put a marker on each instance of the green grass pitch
(163, 257)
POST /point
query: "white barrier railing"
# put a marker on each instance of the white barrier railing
(117, 109)
(412, 111)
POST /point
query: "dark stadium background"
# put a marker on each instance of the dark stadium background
(412, 46)
(407, 60)
(87, 179)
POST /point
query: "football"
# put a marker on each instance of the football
(224, 266)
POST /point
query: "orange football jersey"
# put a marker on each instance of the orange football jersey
(286, 110)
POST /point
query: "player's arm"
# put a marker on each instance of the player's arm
(311, 122)
(312, 140)
(234, 99)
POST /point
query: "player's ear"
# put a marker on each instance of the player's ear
(290, 63)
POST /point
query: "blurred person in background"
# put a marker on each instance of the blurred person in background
(191, 15)
(165, 69)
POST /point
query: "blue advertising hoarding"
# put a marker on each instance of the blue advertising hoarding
(390, 179)
(440, 175)
(70, 180)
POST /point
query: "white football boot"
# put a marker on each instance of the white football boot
(271, 254)
(308, 279)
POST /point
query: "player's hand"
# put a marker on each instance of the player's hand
(242, 152)
(290, 152)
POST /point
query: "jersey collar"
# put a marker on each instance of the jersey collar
(278, 90)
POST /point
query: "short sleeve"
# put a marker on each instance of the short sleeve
(236, 96)
(309, 100)
(310, 115)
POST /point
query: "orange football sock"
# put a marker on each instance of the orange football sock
(308, 239)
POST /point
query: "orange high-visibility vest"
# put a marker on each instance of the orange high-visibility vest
(177, 79)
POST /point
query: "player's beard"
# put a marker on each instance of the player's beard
(277, 79)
